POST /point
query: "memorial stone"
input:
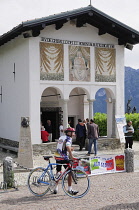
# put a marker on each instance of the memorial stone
(129, 160)
(25, 152)
(8, 174)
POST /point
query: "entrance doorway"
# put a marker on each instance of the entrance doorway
(53, 114)
(71, 120)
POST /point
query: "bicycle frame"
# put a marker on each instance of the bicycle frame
(50, 168)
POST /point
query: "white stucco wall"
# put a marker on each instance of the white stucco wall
(22, 97)
(15, 94)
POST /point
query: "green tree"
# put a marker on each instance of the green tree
(101, 120)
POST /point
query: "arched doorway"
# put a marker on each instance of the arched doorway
(50, 110)
(106, 100)
(78, 105)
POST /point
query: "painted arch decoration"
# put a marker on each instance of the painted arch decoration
(105, 67)
(79, 63)
(51, 61)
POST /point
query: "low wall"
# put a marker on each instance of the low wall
(44, 148)
(50, 148)
(109, 144)
(9, 142)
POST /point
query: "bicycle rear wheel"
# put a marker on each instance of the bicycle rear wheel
(80, 183)
(34, 181)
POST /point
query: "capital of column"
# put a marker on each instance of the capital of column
(110, 100)
(91, 100)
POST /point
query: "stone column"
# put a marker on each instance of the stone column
(8, 174)
(86, 109)
(113, 119)
(91, 114)
(65, 113)
(129, 160)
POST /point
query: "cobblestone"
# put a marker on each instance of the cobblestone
(117, 191)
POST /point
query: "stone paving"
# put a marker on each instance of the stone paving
(108, 191)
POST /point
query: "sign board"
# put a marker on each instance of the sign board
(103, 164)
(120, 122)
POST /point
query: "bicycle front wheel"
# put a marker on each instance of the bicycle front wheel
(80, 183)
(35, 179)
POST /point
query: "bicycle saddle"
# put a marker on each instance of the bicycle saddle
(47, 157)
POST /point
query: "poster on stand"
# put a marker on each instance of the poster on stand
(120, 122)
(102, 164)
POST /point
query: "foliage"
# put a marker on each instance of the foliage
(135, 122)
(101, 120)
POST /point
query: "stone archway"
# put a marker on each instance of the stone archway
(78, 104)
(109, 102)
(50, 109)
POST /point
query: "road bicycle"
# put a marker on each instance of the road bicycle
(41, 180)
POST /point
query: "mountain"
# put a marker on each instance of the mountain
(132, 87)
(131, 92)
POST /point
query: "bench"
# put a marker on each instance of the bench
(6, 147)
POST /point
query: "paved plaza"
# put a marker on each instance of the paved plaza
(108, 191)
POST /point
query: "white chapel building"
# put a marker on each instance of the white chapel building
(52, 67)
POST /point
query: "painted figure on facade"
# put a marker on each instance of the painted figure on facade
(79, 68)
(79, 63)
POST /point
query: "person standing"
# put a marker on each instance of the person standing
(44, 135)
(93, 134)
(87, 123)
(69, 122)
(48, 128)
(63, 154)
(128, 131)
(85, 131)
(80, 133)
(61, 129)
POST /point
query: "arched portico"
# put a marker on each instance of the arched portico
(59, 106)
(51, 109)
(79, 104)
(110, 104)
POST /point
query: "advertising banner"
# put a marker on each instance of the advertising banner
(102, 164)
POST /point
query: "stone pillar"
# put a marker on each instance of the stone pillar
(86, 110)
(8, 174)
(65, 114)
(129, 160)
(25, 151)
(113, 119)
(91, 114)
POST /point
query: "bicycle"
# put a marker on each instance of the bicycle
(41, 180)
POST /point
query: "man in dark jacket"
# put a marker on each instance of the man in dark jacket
(80, 133)
(93, 134)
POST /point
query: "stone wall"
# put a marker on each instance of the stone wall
(49, 148)
(109, 144)
(44, 148)
(9, 142)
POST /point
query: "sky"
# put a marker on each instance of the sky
(14, 12)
